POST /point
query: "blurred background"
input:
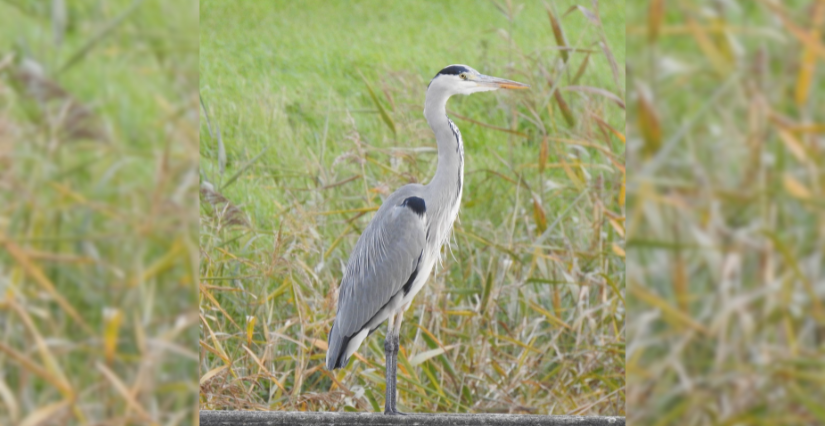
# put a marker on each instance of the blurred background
(98, 173)
(312, 114)
(726, 254)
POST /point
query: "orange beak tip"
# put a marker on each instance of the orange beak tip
(514, 86)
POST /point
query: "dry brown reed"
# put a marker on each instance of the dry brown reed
(98, 183)
(726, 260)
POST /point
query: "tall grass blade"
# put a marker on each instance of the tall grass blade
(584, 11)
(796, 188)
(649, 122)
(672, 314)
(580, 71)
(221, 147)
(596, 91)
(794, 146)
(221, 150)
(614, 67)
(100, 36)
(539, 216)
(605, 125)
(719, 62)
(381, 110)
(43, 414)
(565, 109)
(40, 277)
(59, 21)
(558, 34)
(206, 114)
(125, 392)
(807, 66)
(544, 152)
(655, 17)
(488, 288)
(805, 37)
(243, 168)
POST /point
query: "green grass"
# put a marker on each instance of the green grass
(527, 325)
(725, 251)
(97, 222)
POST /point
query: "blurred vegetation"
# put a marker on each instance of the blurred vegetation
(98, 174)
(726, 256)
(312, 113)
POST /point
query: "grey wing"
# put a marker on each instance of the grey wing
(384, 259)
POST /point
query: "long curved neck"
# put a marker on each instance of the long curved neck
(450, 152)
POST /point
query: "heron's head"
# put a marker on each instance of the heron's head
(463, 80)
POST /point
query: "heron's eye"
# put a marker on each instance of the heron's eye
(463, 76)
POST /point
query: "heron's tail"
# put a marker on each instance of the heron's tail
(336, 349)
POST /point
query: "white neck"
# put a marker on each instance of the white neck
(450, 156)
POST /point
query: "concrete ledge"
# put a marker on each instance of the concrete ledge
(278, 418)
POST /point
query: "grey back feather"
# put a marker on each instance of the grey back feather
(382, 261)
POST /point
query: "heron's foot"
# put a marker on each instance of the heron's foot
(394, 413)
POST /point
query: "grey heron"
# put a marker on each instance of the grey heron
(397, 251)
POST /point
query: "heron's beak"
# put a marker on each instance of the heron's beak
(499, 83)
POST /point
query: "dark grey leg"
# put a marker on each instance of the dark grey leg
(389, 401)
(391, 345)
(396, 346)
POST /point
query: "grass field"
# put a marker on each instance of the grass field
(98, 175)
(726, 221)
(315, 114)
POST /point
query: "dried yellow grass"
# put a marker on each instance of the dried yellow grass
(725, 254)
(98, 222)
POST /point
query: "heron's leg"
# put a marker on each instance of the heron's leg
(389, 400)
(396, 332)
